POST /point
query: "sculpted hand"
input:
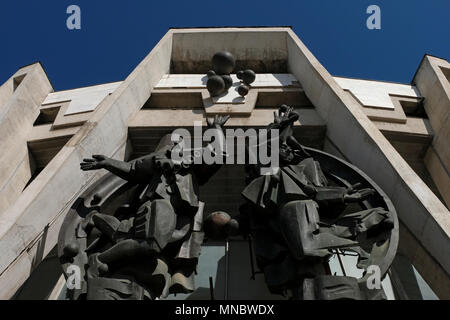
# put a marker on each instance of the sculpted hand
(285, 116)
(219, 121)
(97, 162)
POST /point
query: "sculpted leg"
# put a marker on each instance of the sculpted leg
(300, 225)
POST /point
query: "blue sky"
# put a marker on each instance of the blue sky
(117, 35)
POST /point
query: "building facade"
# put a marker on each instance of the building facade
(396, 133)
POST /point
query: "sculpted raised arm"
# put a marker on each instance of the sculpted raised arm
(135, 171)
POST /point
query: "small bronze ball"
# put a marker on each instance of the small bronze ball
(249, 76)
(232, 228)
(71, 250)
(228, 81)
(240, 74)
(215, 85)
(216, 225)
(243, 90)
(103, 268)
(210, 73)
(223, 62)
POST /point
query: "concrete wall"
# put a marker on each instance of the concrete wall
(19, 110)
(435, 87)
(29, 228)
(363, 144)
(261, 49)
(6, 91)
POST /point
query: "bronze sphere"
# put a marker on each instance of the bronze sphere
(223, 62)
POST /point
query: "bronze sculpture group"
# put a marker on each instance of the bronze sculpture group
(137, 232)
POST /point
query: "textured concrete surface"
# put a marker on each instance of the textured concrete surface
(17, 114)
(82, 99)
(376, 93)
(433, 82)
(263, 50)
(199, 80)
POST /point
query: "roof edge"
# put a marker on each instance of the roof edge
(230, 27)
(420, 64)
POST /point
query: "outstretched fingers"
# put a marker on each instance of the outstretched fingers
(222, 120)
(218, 120)
(87, 166)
